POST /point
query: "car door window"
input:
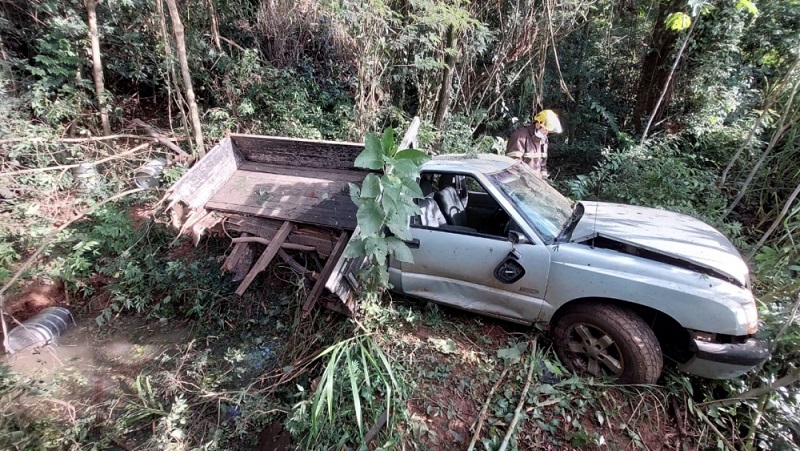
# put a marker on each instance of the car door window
(458, 203)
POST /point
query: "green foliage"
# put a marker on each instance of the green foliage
(357, 386)
(136, 265)
(385, 204)
(659, 174)
(256, 97)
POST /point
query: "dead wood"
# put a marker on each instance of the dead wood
(182, 155)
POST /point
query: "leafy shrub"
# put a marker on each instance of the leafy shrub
(659, 175)
(279, 102)
(139, 271)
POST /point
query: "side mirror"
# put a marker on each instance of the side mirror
(517, 238)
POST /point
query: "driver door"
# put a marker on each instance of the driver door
(475, 270)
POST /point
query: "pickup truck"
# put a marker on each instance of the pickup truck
(623, 289)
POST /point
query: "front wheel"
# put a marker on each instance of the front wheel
(608, 341)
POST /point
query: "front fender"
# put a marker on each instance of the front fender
(694, 300)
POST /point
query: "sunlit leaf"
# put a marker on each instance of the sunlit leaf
(370, 217)
(678, 21)
(387, 142)
(416, 156)
(747, 5)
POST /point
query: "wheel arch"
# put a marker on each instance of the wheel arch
(672, 336)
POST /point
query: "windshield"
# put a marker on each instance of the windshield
(544, 208)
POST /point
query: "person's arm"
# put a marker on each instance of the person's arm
(515, 148)
(543, 168)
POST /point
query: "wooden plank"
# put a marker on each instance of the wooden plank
(256, 188)
(317, 237)
(200, 183)
(266, 257)
(410, 138)
(338, 250)
(356, 176)
(314, 216)
(255, 239)
(297, 152)
(236, 254)
(310, 200)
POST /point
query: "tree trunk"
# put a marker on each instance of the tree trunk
(653, 74)
(212, 13)
(180, 43)
(97, 65)
(447, 79)
(172, 78)
(669, 81)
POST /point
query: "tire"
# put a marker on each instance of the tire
(604, 340)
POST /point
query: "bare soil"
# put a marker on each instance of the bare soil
(36, 296)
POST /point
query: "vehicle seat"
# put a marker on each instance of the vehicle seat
(426, 184)
(452, 207)
(431, 214)
(459, 182)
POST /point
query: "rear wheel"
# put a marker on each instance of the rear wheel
(608, 341)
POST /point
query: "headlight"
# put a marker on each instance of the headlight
(751, 317)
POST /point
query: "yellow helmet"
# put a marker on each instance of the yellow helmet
(549, 120)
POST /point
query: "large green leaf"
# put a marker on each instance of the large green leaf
(412, 188)
(678, 21)
(388, 142)
(372, 155)
(417, 156)
(355, 248)
(370, 217)
(399, 250)
(405, 169)
(398, 225)
(355, 194)
(376, 247)
(371, 186)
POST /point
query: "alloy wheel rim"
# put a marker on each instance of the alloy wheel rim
(594, 351)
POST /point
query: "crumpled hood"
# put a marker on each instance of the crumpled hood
(664, 232)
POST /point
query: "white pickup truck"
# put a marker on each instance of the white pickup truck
(622, 287)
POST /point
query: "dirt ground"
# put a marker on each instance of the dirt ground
(36, 296)
(456, 367)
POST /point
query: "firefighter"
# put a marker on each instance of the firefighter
(529, 143)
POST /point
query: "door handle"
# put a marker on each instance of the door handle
(413, 244)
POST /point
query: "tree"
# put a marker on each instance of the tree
(97, 65)
(654, 75)
(447, 78)
(180, 43)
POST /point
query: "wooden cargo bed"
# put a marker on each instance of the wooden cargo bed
(309, 196)
(282, 193)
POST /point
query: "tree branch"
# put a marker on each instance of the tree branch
(792, 376)
(70, 166)
(522, 398)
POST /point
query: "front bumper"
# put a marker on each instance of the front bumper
(725, 361)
